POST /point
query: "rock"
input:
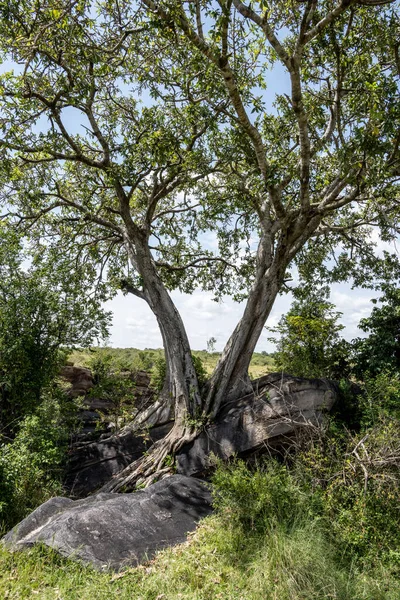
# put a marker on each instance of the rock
(279, 405)
(113, 531)
(80, 378)
(91, 465)
(98, 415)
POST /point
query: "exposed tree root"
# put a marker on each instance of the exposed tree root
(156, 464)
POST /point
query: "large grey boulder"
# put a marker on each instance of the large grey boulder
(112, 531)
(279, 406)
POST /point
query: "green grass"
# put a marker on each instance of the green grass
(261, 364)
(217, 563)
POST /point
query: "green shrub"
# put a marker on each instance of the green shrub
(257, 499)
(380, 351)
(382, 397)
(31, 466)
(355, 483)
(38, 318)
(158, 374)
(114, 382)
(309, 344)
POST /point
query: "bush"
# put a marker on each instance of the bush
(38, 318)
(381, 398)
(31, 466)
(114, 382)
(355, 482)
(380, 351)
(309, 344)
(257, 500)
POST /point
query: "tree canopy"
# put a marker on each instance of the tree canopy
(129, 130)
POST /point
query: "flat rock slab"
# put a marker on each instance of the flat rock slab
(113, 531)
(279, 406)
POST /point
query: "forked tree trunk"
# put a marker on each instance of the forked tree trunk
(230, 378)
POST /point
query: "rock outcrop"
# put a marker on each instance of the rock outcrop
(80, 379)
(279, 406)
(117, 530)
(113, 531)
(92, 464)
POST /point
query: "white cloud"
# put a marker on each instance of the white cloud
(134, 325)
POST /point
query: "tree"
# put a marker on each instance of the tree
(380, 351)
(128, 133)
(211, 345)
(310, 344)
(38, 318)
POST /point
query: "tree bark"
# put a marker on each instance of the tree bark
(181, 381)
(182, 378)
(230, 379)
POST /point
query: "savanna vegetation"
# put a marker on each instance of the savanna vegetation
(133, 359)
(318, 520)
(309, 526)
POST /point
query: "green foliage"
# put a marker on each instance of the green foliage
(258, 500)
(381, 398)
(181, 158)
(116, 385)
(200, 370)
(380, 351)
(38, 317)
(302, 531)
(309, 344)
(356, 478)
(223, 559)
(31, 465)
(159, 372)
(133, 359)
(30, 339)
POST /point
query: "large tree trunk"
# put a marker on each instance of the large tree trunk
(181, 384)
(230, 379)
(182, 379)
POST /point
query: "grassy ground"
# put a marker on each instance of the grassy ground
(261, 364)
(217, 563)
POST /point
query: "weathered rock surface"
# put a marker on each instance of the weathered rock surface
(116, 530)
(279, 405)
(98, 415)
(80, 379)
(91, 465)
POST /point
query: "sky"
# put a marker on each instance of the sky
(134, 325)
